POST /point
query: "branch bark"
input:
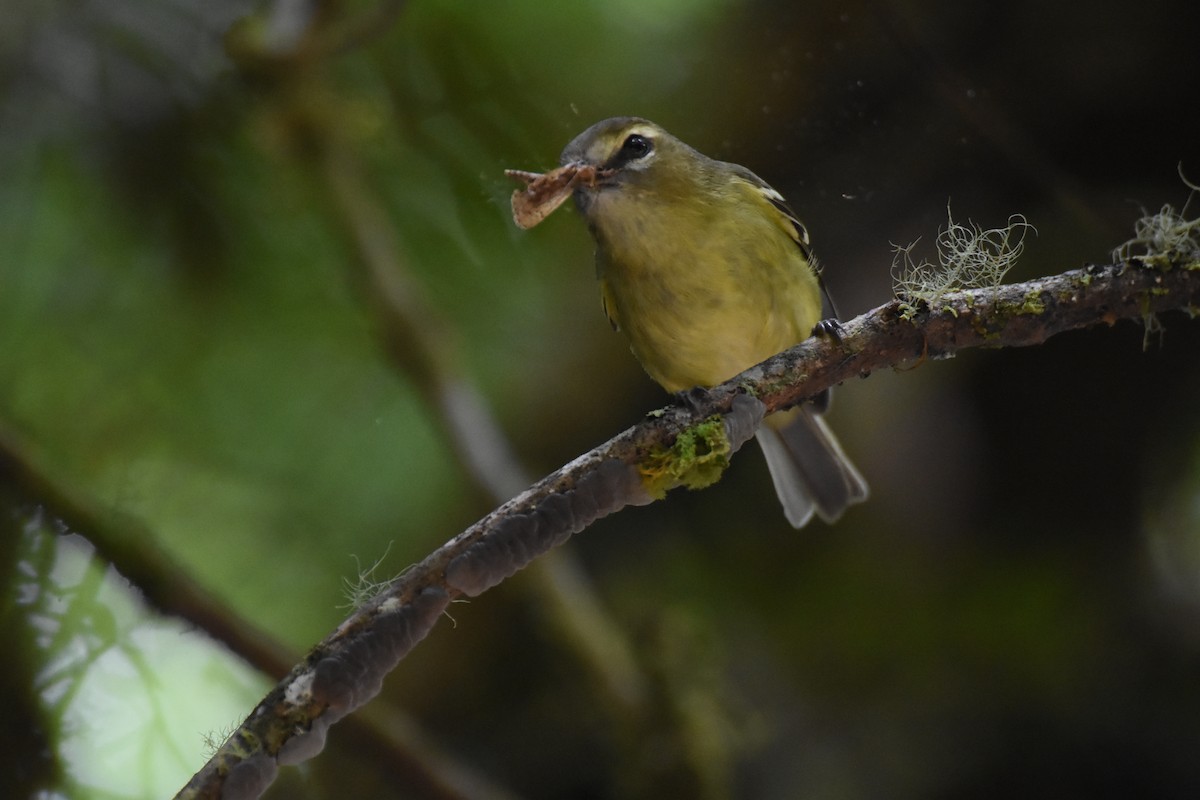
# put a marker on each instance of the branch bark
(347, 669)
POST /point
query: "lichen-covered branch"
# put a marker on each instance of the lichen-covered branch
(677, 446)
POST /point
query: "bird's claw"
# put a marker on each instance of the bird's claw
(830, 328)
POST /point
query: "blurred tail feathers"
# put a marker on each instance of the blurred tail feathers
(809, 469)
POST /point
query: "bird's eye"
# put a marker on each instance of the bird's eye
(635, 146)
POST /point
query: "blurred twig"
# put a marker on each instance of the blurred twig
(291, 31)
(129, 546)
(412, 334)
(288, 54)
(346, 669)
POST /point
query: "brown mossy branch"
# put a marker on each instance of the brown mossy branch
(346, 669)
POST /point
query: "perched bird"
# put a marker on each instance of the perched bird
(707, 271)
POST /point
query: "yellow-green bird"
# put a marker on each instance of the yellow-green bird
(708, 272)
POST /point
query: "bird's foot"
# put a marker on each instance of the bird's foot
(692, 399)
(829, 328)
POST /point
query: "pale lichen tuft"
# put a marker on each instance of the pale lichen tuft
(1166, 239)
(365, 587)
(969, 257)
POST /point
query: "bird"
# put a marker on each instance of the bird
(707, 272)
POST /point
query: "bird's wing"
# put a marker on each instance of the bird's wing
(788, 220)
(609, 304)
(795, 228)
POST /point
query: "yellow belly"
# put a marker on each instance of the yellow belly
(699, 310)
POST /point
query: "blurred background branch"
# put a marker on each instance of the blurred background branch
(129, 546)
(423, 347)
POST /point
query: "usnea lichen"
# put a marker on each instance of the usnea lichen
(1166, 239)
(366, 586)
(969, 257)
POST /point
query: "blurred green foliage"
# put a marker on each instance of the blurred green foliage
(186, 340)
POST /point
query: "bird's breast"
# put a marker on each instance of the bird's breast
(701, 297)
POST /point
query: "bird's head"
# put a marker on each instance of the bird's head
(631, 153)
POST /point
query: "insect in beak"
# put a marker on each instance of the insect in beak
(545, 192)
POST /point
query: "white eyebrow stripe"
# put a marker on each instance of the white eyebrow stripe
(642, 130)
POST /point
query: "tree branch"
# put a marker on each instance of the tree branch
(677, 446)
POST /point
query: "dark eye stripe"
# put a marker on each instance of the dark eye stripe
(634, 147)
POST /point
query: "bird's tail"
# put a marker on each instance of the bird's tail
(809, 469)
